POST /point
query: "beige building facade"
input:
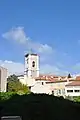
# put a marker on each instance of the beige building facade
(3, 79)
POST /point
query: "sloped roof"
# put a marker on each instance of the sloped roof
(78, 78)
(53, 78)
(74, 83)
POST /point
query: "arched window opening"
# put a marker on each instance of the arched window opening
(33, 64)
(42, 83)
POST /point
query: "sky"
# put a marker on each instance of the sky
(50, 28)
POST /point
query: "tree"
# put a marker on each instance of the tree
(15, 86)
(69, 76)
(12, 78)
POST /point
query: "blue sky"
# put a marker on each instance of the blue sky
(50, 28)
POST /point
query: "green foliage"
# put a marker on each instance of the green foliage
(76, 99)
(6, 95)
(70, 98)
(12, 78)
(15, 86)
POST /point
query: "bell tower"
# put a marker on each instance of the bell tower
(31, 65)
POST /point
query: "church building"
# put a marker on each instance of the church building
(49, 84)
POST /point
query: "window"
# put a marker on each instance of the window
(42, 83)
(59, 91)
(69, 90)
(52, 92)
(56, 92)
(27, 61)
(63, 91)
(33, 64)
(76, 90)
(29, 87)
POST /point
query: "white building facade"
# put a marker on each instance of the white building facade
(31, 65)
(41, 87)
(50, 87)
(73, 89)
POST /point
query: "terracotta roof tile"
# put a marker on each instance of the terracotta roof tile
(78, 78)
(52, 78)
(74, 83)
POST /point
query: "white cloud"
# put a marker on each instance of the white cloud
(76, 68)
(12, 67)
(51, 69)
(46, 48)
(18, 35)
(17, 68)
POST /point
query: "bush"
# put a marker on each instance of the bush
(76, 99)
(14, 85)
(6, 95)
